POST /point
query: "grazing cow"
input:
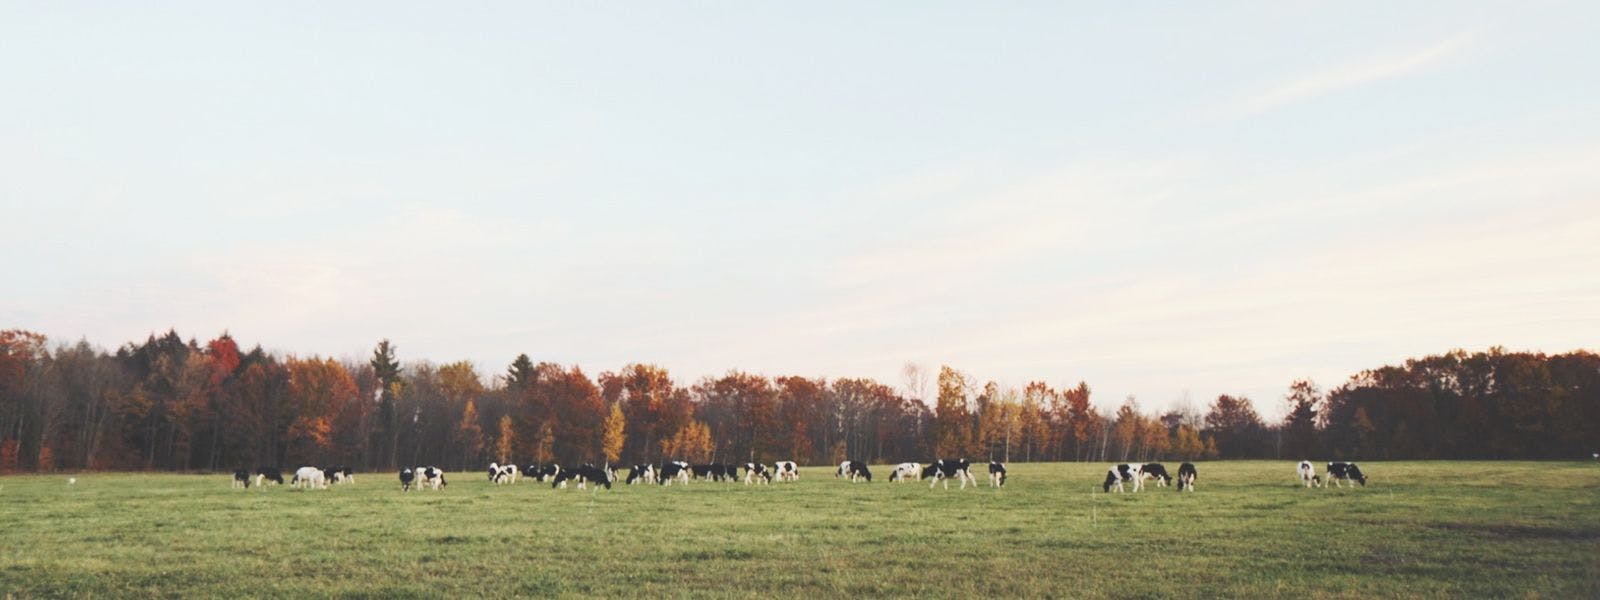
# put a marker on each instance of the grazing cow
(502, 473)
(585, 474)
(854, 470)
(946, 468)
(997, 473)
(406, 477)
(730, 472)
(1308, 474)
(542, 473)
(330, 474)
(1158, 472)
(905, 471)
(430, 477)
(1186, 476)
(272, 474)
(756, 473)
(675, 471)
(241, 478)
(1339, 472)
(787, 470)
(344, 475)
(641, 474)
(309, 478)
(1124, 473)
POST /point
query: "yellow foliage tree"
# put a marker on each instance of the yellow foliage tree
(469, 435)
(614, 434)
(504, 442)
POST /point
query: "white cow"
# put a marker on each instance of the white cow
(430, 477)
(310, 478)
(788, 471)
(1308, 474)
(904, 472)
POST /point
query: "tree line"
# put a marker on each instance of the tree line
(172, 404)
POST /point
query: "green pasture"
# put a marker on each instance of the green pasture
(1418, 529)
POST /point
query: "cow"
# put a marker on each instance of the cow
(675, 470)
(344, 475)
(1124, 473)
(309, 478)
(1158, 472)
(241, 478)
(756, 473)
(1339, 472)
(997, 473)
(730, 472)
(787, 470)
(330, 474)
(946, 468)
(1186, 476)
(499, 473)
(905, 471)
(854, 470)
(1308, 474)
(542, 473)
(406, 477)
(585, 474)
(430, 477)
(264, 474)
(641, 474)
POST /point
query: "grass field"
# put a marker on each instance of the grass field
(1418, 529)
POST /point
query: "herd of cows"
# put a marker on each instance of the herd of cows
(943, 470)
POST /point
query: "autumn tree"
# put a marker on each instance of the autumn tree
(504, 442)
(468, 436)
(1236, 428)
(615, 434)
(952, 421)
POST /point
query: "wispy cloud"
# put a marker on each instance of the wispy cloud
(1330, 80)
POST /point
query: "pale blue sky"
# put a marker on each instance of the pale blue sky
(1161, 200)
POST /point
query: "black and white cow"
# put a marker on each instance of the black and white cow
(703, 471)
(904, 472)
(499, 474)
(756, 473)
(241, 478)
(1339, 472)
(1308, 474)
(542, 473)
(946, 469)
(344, 475)
(272, 474)
(330, 474)
(407, 476)
(1124, 473)
(854, 470)
(309, 478)
(1186, 476)
(730, 472)
(674, 471)
(787, 470)
(997, 473)
(641, 474)
(585, 474)
(430, 477)
(1156, 471)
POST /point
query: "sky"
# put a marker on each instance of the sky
(1167, 201)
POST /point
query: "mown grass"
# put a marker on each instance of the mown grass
(1478, 529)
